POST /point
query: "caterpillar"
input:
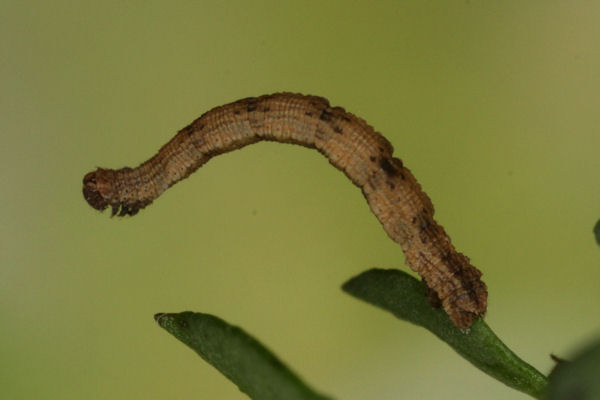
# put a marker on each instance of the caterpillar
(349, 143)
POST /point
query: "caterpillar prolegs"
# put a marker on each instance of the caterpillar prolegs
(350, 144)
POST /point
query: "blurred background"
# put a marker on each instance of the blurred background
(494, 107)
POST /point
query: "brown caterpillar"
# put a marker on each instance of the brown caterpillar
(350, 144)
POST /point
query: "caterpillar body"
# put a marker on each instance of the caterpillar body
(350, 144)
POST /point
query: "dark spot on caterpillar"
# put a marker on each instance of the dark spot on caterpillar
(325, 115)
(388, 167)
(266, 109)
(345, 118)
(256, 122)
(251, 103)
(402, 176)
(237, 112)
(424, 224)
(380, 149)
(338, 129)
(391, 184)
(452, 263)
(320, 134)
(191, 129)
(414, 220)
(211, 153)
(199, 141)
(308, 113)
(373, 158)
(188, 130)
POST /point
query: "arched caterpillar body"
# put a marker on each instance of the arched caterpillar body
(349, 143)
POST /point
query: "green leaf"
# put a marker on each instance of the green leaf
(578, 379)
(405, 297)
(238, 356)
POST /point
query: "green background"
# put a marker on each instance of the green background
(493, 106)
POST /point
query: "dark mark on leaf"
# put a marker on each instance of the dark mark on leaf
(182, 323)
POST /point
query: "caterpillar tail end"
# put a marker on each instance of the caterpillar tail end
(98, 192)
(469, 307)
(464, 319)
(464, 309)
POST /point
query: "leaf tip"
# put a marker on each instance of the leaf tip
(597, 232)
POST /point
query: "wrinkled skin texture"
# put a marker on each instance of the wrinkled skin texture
(350, 144)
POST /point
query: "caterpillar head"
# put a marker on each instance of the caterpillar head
(98, 188)
(100, 191)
